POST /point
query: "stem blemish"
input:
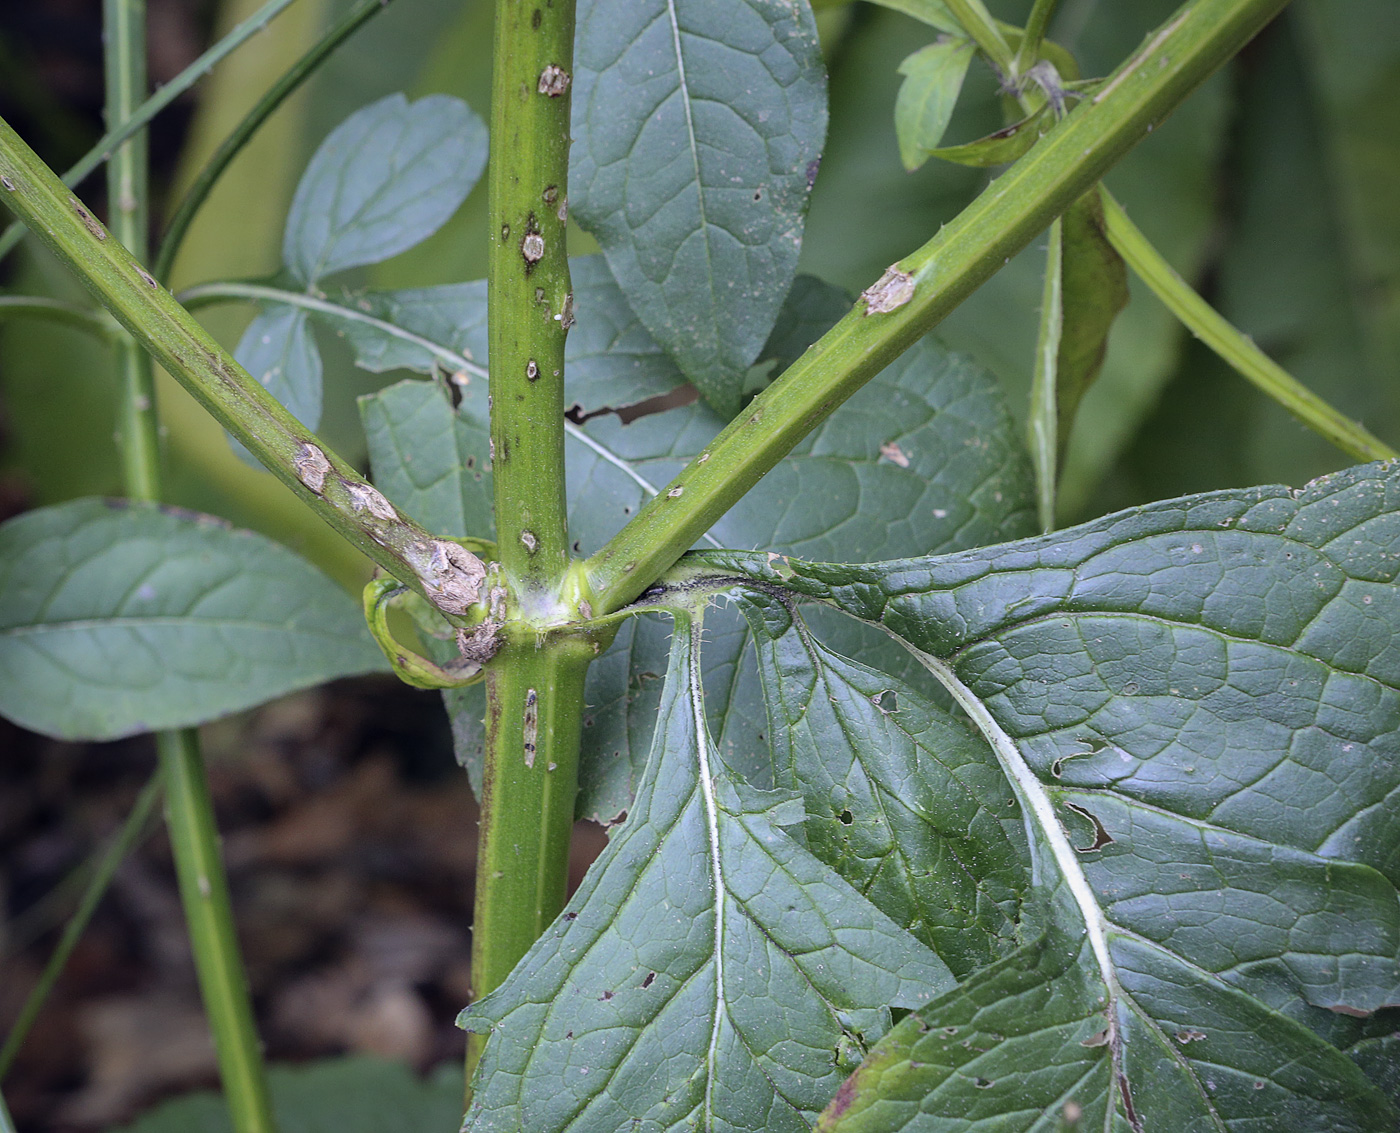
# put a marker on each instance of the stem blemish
(89, 221)
(311, 467)
(531, 726)
(554, 81)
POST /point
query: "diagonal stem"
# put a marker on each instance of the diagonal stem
(1233, 346)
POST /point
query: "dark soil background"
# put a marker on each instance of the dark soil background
(349, 831)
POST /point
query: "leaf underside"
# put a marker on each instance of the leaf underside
(118, 618)
(710, 972)
(1195, 707)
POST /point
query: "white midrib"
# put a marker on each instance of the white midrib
(707, 790)
(690, 131)
(1033, 797)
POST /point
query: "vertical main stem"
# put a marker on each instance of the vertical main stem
(124, 27)
(534, 690)
(534, 714)
(189, 812)
(531, 304)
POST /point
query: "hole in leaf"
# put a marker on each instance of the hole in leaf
(887, 702)
(606, 996)
(846, 817)
(647, 982)
(983, 1083)
(1101, 836)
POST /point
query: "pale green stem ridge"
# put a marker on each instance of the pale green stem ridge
(978, 23)
(152, 106)
(7, 1123)
(229, 148)
(1044, 426)
(189, 815)
(534, 690)
(1036, 23)
(916, 293)
(112, 857)
(1232, 345)
(124, 37)
(530, 296)
(438, 569)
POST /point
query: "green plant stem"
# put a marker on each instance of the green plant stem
(118, 133)
(1232, 345)
(329, 486)
(530, 296)
(229, 148)
(1009, 213)
(189, 812)
(534, 714)
(1036, 23)
(124, 39)
(105, 869)
(189, 815)
(1044, 424)
(534, 689)
(978, 23)
(56, 311)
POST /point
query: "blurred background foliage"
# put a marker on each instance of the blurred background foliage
(1271, 189)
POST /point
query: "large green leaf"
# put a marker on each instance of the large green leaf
(709, 972)
(118, 618)
(902, 797)
(1197, 706)
(346, 1095)
(698, 127)
(384, 179)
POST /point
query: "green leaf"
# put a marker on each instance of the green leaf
(931, 12)
(708, 972)
(279, 350)
(440, 327)
(1197, 704)
(1030, 1041)
(1086, 286)
(430, 459)
(121, 618)
(902, 797)
(933, 79)
(698, 127)
(893, 468)
(1000, 148)
(387, 177)
(344, 1095)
